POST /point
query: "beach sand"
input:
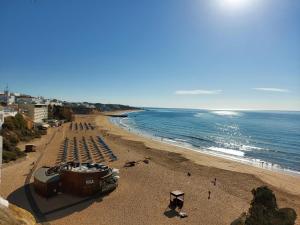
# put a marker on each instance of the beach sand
(142, 196)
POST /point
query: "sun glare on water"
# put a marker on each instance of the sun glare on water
(225, 113)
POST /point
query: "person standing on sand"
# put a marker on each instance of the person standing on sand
(209, 194)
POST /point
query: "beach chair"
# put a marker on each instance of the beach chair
(91, 126)
(97, 150)
(176, 200)
(65, 150)
(86, 148)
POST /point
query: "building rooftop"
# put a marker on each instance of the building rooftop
(42, 176)
(86, 167)
(177, 193)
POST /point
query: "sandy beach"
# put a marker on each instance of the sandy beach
(142, 196)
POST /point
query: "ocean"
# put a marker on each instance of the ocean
(267, 139)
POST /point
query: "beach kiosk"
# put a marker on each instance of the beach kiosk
(46, 184)
(30, 148)
(176, 200)
(80, 179)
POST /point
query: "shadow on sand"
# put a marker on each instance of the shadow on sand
(171, 213)
(56, 207)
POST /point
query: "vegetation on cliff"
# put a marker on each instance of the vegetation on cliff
(264, 210)
(60, 113)
(113, 107)
(89, 108)
(14, 130)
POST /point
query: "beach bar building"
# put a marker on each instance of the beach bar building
(82, 180)
(46, 184)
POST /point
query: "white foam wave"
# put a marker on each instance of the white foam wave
(123, 123)
(226, 113)
(241, 147)
(249, 148)
(169, 140)
(180, 140)
(227, 151)
(199, 114)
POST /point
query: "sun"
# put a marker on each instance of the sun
(234, 4)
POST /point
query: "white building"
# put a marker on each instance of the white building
(24, 99)
(55, 103)
(3, 98)
(37, 112)
(11, 99)
(8, 111)
(7, 98)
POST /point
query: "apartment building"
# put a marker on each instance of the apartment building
(38, 113)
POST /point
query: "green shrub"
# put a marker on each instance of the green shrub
(9, 156)
(264, 210)
(20, 153)
(15, 130)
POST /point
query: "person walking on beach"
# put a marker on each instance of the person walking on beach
(209, 194)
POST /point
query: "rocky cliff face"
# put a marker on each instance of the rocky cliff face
(14, 215)
(264, 210)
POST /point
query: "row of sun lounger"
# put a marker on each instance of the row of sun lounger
(107, 150)
(98, 151)
(62, 156)
(86, 153)
(81, 126)
(85, 150)
(75, 149)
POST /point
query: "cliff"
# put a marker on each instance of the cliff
(14, 215)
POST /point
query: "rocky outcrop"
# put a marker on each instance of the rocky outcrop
(14, 215)
(264, 210)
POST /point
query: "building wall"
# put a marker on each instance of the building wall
(40, 114)
(2, 98)
(11, 99)
(46, 189)
(23, 99)
(9, 111)
(82, 184)
(36, 112)
(7, 98)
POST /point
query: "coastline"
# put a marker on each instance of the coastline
(144, 188)
(258, 163)
(289, 182)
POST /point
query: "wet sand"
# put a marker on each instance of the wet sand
(142, 196)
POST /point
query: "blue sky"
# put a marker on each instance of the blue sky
(232, 54)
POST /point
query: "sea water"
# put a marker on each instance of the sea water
(267, 139)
